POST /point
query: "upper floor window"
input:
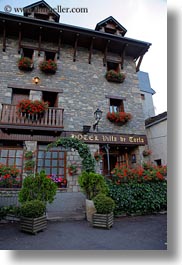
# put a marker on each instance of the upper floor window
(113, 66)
(116, 105)
(142, 96)
(28, 53)
(50, 56)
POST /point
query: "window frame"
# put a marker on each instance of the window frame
(47, 57)
(44, 166)
(25, 55)
(114, 107)
(113, 65)
(14, 157)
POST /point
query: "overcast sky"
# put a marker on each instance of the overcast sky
(145, 20)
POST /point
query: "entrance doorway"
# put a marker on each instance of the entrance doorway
(112, 155)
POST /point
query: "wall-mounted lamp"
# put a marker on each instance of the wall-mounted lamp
(36, 80)
(98, 116)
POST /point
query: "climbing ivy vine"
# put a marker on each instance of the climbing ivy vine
(88, 162)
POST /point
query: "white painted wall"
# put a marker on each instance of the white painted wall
(157, 141)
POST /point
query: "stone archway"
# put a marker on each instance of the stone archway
(88, 162)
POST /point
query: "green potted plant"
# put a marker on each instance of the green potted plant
(32, 216)
(48, 66)
(91, 184)
(113, 76)
(25, 63)
(37, 187)
(104, 211)
(36, 192)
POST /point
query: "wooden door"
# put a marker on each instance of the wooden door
(18, 95)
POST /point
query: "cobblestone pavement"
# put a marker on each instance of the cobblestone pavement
(128, 233)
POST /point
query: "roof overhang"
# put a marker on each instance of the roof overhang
(50, 32)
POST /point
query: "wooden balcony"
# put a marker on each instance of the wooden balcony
(51, 120)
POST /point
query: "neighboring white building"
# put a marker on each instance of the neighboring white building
(146, 94)
(156, 128)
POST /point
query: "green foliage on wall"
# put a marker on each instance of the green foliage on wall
(141, 198)
(88, 162)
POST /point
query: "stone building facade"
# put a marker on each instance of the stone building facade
(77, 89)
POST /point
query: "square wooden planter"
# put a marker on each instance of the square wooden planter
(102, 220)
(33, 225)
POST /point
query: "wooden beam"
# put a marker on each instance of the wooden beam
(123, 54)
(105, 53)
(91, 50)
(59, 44)
(34, 47)
(20, 37)
(40, 39)
(4, 35)
(75, 48)
(139, 63)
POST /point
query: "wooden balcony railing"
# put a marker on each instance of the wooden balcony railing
(51, 119)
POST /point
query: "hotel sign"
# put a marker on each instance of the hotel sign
(109, 138)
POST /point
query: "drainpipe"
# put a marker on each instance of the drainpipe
(108, 160)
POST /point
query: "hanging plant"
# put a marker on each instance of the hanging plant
(29, 165)
(98, 155)
(25, 63)
(147, 152)
(48, 66)
(72, 169)
(119, 118)
(28, 155)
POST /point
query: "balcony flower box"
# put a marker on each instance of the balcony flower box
(25, 64)
(119, 118)
(113, 76)
(48, 66)
(32, 108)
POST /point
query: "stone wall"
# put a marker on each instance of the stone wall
(84, 87)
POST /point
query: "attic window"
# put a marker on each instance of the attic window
(110, 30)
